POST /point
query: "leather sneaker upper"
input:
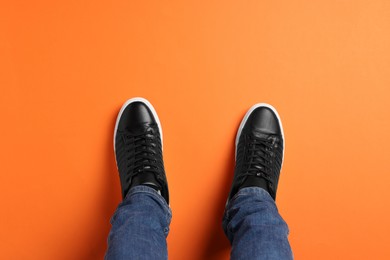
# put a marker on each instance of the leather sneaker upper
(259, 150)
(138, 147)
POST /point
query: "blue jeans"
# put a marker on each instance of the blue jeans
(251, 222)
(254, 227)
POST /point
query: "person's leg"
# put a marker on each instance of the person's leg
(251, 220)
(141, 222)
(140, 226)
(254, 227)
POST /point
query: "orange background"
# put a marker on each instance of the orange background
(66, 67)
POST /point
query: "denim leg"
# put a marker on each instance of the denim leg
(254, 227)
(140, 226)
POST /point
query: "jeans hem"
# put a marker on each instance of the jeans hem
(153, 193)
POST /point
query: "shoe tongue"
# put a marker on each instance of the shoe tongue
(146, 177)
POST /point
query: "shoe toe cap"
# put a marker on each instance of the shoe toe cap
(263, 119)
(136, 114)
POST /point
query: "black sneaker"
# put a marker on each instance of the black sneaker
(138, 147)
(259, 150)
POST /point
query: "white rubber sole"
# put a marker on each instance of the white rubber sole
(246, 118)
(149, 105)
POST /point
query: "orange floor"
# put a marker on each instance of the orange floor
(66, 67)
